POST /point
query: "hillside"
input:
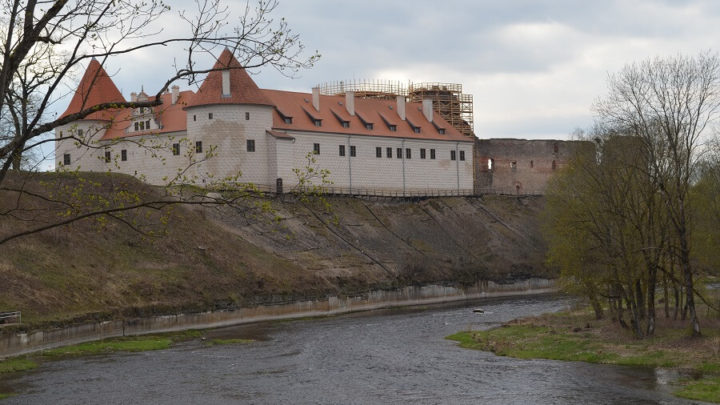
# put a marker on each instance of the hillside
(221, 257)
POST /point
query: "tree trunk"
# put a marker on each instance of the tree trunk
(652, 279)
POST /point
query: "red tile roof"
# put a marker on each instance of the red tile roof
(243, 89)
(171, 117)
(299, 107)
(95, 87)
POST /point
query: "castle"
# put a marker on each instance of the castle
(230, 127)
(387, 146)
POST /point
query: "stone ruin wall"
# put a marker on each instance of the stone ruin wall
(519, 166)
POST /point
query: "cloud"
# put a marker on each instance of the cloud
(534, 67)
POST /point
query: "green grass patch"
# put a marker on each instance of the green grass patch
(704, 389)
(214, 342)
(135, 344)
(5, 395)
(17, 364)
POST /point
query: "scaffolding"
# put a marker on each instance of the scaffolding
(378, 89)
(448, 99)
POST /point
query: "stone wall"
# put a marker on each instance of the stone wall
(519, 166)
(13, 344)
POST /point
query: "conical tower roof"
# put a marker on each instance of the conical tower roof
(96, 87)
(243, 89)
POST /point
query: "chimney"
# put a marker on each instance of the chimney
(350, 102)
(401, 107)
(133, 97)
(226, 83)
(175, 93)
(427, 109)
(316, 98)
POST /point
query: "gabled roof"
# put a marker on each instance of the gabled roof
(243, 89)
(300, 108)
(96, 87)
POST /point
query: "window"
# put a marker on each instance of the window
(194, 117)
(462, 155)
(441, 131)
(247, 116)
(513, 166)
(176, 149)
(288, 120)
(341, 150)
(142, 126)
(422, 153)
(532, 164)
(452, 155)
(554, 166)
(80, 132)
(198, 146)
(399, 153)
(378, 151)
(432, 153)
(416, 130)
(66, 159)
(123, 155)
(388, 152)
(142, 110)
(368, 125)
(393, 128)
(210, 116)
(353, 151)
(316, 148)
(136, 126)
(108, 157)
(251, 145)
(408, 153)
(318, 123)
(346, 124)
(147, 124)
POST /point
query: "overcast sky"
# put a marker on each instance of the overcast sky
(533, 67)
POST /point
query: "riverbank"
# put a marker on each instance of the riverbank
(578, 336)
(13, 343)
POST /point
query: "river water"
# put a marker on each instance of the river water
(390, 356)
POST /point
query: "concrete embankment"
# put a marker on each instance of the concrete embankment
(21, 343)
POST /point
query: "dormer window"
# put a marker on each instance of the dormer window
(441, 131)
(317, 122)
(346, 124)
(287, 120)
(393, 128)
(416, 130)
(367, 124)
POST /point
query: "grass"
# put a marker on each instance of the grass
(111, 346)
(576, 336)
(706, 389)
(17, 364)
(215, 342)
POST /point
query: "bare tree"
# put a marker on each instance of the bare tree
(43, 43)
(667, 104)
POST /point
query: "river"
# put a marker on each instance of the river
(389, 356)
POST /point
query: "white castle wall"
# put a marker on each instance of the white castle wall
(365, 171)
(150, 157)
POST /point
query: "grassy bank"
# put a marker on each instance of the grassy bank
(577, 336)
(105, 346)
